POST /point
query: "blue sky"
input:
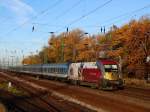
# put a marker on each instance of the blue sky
(18, 16)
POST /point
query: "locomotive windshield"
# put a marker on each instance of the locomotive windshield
(109, 68)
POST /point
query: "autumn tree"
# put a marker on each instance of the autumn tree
(138, 44)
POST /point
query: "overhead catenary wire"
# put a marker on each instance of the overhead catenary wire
(36, 16)
(62, 27)
(87, 14)
(68, 10)
(5, 19)
(126, 14)
(60, 15)
(46, 24)
(117, 18)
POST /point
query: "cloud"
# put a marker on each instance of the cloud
(21, 10)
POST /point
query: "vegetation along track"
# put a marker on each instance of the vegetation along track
(102, 100)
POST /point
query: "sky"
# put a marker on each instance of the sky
(17, 18)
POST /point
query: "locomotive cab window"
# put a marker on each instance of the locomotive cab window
(109, 68)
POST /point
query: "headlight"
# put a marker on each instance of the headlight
(104, 76)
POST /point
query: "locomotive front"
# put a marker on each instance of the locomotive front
(111, 77)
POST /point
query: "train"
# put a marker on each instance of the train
(102, 74)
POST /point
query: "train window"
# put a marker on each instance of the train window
(46, 70)
(62, 70)
(49, 69)
(110, 67)
(114, 66)
(52, 70)
(55, 70)
(58, 70)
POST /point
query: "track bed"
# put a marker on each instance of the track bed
(130, 99)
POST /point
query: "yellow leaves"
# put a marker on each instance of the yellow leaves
(32, 60)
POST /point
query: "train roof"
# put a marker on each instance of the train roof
(107, 61)
(49, 65)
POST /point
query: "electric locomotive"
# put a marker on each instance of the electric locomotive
(103, 74)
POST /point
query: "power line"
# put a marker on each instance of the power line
(21, 42)
(35, 17)
(61, 15)
(120, 16)
(52, 6)
(47, 24)
(62, 26)
(5, 19)
(126, 14)
(68, 10)
(114, 18)
(87, 14)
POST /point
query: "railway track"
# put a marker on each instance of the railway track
(105, 101)
(37, 100)
(135, 92)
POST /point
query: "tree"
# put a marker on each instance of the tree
(139, 44)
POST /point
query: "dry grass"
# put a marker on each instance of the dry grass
(13, 89)
(2, 108)
(137, 83)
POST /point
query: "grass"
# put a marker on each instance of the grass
(137, 83)
(12, 89)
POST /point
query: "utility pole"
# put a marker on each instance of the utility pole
(45, 55)
(120, 66)
(12, 60)
(31, 58)
(15, 54)
(3, 63)
(63, 45)
(8, 62)
(0, 64)
(62, 50)
(22, 57)
(7, 58)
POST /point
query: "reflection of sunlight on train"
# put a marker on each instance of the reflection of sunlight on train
(102, 73)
